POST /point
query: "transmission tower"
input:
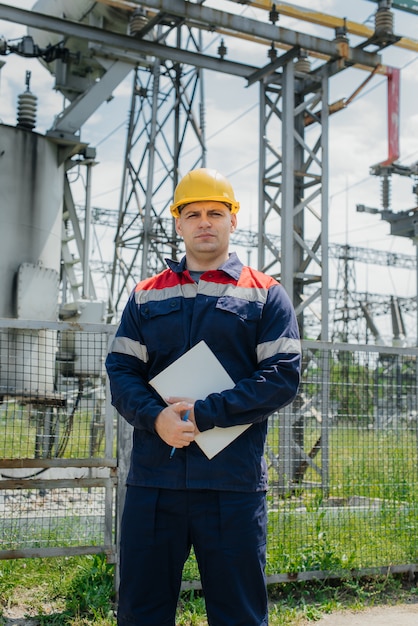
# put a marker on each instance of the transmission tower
(294, 180)
(166, 120)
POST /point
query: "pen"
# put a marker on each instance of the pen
(184, 419)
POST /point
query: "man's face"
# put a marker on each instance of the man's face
(205, 227)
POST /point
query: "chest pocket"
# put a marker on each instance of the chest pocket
(162, 325)
(151, 310)
(245, 310)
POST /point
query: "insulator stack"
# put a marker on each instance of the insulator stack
(341, 33)
(222, 49)
(26, 110)
(384, 22)
(272, 53)
(386, 192)
(415, 189)
(137, 22)
(303, 65)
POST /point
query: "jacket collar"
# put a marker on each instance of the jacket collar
(232, 266)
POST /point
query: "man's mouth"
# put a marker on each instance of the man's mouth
(205, 236)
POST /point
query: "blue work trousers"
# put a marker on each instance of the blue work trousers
(228, 533)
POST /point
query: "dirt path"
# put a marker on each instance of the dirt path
(399, 615)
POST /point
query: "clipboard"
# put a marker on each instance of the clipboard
(196, 374)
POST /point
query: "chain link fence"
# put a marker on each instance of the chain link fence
(344, 465)
(57, 441)
(343, 458)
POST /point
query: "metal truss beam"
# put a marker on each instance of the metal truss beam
(293, 189)
(124, 46)
(333, 21)
(195, 16)
(249, 239)
(166, 119)
(201, 16)
(411, 6)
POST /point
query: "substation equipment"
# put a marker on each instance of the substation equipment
(90, 47)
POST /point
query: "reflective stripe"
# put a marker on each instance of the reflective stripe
(124, 345)
(189, 290)
(283, 345)
(250, 294)
(159, 295)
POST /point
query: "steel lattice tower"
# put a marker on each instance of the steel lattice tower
(166, 119)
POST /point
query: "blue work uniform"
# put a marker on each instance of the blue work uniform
(218, 505)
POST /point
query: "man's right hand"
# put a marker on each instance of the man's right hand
(170, 426)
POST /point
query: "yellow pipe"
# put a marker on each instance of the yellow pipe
(330, 21)
(120, 4)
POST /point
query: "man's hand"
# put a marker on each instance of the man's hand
(171, 427)
(191, 417)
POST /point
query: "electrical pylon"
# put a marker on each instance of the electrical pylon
(166, 120)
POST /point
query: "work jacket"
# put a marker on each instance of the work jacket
(247, 320)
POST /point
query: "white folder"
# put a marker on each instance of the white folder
(195, 375)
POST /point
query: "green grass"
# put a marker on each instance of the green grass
(362, 461)
(368, 518)
(335, 540)
(79, 591)
(305, 532)
(70, 435)
(59, 590)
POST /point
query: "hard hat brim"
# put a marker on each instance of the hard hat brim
(175, 208)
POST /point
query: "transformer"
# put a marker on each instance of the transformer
(30, 240)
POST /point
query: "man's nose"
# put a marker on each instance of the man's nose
(204, 220)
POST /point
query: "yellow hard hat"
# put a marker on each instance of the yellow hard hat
(203, 184)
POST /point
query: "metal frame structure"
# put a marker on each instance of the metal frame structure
(411, 6)
(294, 183)
(166, 117)
(304, 99)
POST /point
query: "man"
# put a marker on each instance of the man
(175, 501)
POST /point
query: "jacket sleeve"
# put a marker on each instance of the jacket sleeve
(275, 381)
(127, 366)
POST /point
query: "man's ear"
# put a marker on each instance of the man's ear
(233, 222)
(178, 226)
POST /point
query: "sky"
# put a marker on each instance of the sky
(357, 135)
